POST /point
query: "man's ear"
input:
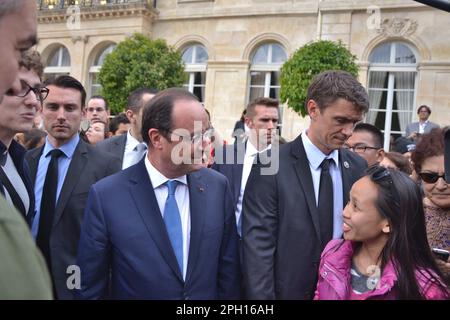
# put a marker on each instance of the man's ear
(155, 138)
(130, 115)
(249, 122)
(380, 154)
(313, 109)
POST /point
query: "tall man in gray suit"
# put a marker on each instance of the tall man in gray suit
(62, 171)
(130, 148)
(289, 216)
(423, 125)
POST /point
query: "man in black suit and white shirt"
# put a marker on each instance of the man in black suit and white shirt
(261, 117)
(129, 148)
(289, 216)
(63, 170)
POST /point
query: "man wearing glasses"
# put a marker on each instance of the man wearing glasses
(17, 112)
(165, 227)
(97, 110)
(366, 141)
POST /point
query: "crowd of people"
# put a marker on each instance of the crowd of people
(154, 204)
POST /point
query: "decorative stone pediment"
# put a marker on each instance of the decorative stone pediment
(398, 27)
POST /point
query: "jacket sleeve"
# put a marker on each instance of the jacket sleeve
(259, 234)
(93, 251)
(229, 269)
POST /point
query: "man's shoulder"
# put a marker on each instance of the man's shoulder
(105, 144)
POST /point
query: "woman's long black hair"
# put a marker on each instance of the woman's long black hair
(400, 201)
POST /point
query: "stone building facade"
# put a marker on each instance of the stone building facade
(234, 49)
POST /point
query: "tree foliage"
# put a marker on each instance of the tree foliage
(308, 61)
(139, 62)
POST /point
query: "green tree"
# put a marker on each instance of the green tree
(308, 61)
(139, 62)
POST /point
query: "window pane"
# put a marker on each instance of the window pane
(378, 80)
(274, 78)
(200, 78)
(404, 80)
(53, 61)
(65, 61)
(187, 55)
(199, 91)
(261, 55)
(403, 54)
(274, 93)
(101, 58)
(256, 93)
(381, 54)
(278, 54)
(201, 55)
(257, 78)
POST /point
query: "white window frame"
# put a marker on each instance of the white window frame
(59, 68)
(95, 69)
(390, 69)
(193, 67)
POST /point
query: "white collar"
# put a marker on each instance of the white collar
(315, 155)
(157, 178)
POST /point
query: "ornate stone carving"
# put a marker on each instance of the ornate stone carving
(398, 27)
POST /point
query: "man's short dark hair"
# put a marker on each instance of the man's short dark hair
(157, 113)
(9, 6)
(101, 98)
(116, 121)
(135, 102)
(424, 106)
(328, 86)
(376, 133)
(264, 101)
(31, 60)
(68, 82)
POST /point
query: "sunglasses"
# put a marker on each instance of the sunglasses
(431, 177)
(380, 174)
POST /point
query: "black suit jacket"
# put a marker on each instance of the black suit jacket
(281, 231)
(17, 153)
(88, 165)
(114, 145)
(232, 167)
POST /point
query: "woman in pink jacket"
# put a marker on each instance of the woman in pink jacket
(385, 252)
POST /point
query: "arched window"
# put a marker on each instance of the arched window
(265, 71)
(94, 70)
(392, 83)
(58, 63)
(195, 59)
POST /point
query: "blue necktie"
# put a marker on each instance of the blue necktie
(172, 220)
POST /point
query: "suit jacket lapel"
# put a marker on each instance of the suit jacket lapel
(74, 172)
(119, 146)
(304, 176)
(347, 176)
(33, 162)
(238, 168)
(197, 201)
(142, 192)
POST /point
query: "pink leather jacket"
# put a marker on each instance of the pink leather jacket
(335, 279)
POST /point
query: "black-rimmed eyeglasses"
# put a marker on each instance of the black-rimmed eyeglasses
(40, 92)
(359, 148)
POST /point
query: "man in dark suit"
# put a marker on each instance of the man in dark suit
(63, 171)
(17, 112)
(129, 147)
(261, 117)
(289, 216)
(169, 230)
(414, 129)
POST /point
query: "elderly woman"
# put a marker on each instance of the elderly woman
(428, 159)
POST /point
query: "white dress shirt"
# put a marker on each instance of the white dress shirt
(182, 197)
(422, 126)
(129, 157)
(249, 158)
(315, 157)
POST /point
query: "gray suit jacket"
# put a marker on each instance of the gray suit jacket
(88, 165)
(414, 127)
(281, 231)
(115, 145)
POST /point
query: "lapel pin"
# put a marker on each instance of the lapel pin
(346, 165)
(201, 189)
